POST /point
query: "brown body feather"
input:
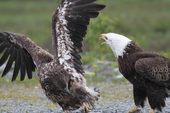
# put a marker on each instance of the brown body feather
(61, 75)
(149, 73)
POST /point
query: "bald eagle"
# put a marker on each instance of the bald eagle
(147, 71)
(61, 75)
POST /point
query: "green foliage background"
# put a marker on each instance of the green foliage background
(145, 21)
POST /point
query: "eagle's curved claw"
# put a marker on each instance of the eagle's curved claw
(134, 109)
(86, 108)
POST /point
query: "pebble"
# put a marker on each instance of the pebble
(18, 106)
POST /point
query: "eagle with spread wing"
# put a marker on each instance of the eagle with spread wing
(61, 75)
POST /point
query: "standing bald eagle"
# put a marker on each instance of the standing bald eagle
(148, 72)
(61, 74)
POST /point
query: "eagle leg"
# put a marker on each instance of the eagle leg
(86, 108)
(134, 109)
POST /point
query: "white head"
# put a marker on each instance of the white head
(116, 42)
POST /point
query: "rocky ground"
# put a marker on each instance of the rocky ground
(28, 97)
(21, 106)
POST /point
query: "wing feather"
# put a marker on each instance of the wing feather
(78, 20)
(80, 2)
(5, 56)
(17, 66)
(73, 28)
(3, 46)
(28, 66)
(154, 69)
(19, 49)
(91, 7)
(10, 62)
(12, 51)
(70, 22)
(22, 71)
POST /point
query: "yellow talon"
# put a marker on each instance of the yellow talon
(134, 109)
(151, 111)
(85, 107)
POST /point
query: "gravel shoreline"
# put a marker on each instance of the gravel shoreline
(28, 97)
(21, 106)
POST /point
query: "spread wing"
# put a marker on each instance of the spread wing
(20, 51)
(70, 23)
(155, 69)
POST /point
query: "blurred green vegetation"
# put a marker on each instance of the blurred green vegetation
(145, 21)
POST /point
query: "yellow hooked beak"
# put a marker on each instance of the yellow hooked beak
(103, 37)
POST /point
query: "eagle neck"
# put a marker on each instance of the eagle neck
(126, 62)
(131, 48)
